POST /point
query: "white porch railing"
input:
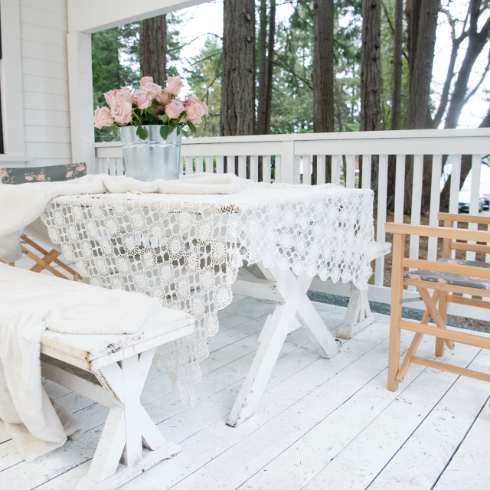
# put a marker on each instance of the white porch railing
(292, 156)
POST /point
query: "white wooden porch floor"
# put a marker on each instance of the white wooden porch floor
(322, 424)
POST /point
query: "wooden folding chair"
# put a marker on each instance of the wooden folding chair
(445, 277)
(54, 173)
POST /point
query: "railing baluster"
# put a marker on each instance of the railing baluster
(435, 201)
(320, 169)
(277, 167)
(381, 218)
(307, 169)
(350, 178)
(112, 166)
(181, 166)
(230, 164)
(474, 196)
(220, 164)
(399, 188)
(254, 168)
(199, 165)
(242, 167)
(120, 166)
(335, 177)
(418, 168)
(209, 165)
(454, 189)
(266, 169)
(105, 166)
(366, 171)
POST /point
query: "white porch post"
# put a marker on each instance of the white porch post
(81, 98)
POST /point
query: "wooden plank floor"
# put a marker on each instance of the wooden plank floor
(321, 423)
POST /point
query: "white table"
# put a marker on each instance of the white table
(187, 251)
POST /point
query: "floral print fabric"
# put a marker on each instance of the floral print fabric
(55, 173)
(453, 279)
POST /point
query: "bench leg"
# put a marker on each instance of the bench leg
(119, 456)
(357, 316)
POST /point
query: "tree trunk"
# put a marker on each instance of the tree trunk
(397, 66)
(371, 78)
(323, 76)
(238, 79)
(154, 49)
(422, 28)
(270, 66)
(476, 43)
(262, 95)
(465, 170)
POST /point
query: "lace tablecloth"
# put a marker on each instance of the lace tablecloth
(186, 250)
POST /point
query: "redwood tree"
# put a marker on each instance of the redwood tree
(238, 79)
(323, 75)
(154, 48)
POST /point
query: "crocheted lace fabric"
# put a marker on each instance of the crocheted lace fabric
(186, 249)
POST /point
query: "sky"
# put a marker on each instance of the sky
(208, 17)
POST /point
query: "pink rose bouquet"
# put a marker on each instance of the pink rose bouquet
(151, 105)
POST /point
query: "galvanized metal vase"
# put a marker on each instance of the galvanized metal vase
(153, 158)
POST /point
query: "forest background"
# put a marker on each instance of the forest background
(296, 66)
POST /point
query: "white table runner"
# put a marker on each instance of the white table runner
(186, 249)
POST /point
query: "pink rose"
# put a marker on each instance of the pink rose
(153, 89)
(41, 177)
(28, 177)
(69, 174)
(165, 98)
(110, 96)
(195, 109)
(80, 168)
(174, 84)
(174, 109)
(102, 117)
(121, 111)
(142, 99)
(124, 94)
(3, 172)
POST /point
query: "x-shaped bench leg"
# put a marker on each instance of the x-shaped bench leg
(128, 428)
(296, 311)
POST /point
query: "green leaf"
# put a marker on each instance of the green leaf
(173, 123)
(185, 133)
(142, 132)
(191, 126)
(163, 118)
(178, 131)
(164, 131)
(152, 110)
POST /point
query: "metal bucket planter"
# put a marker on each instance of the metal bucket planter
(153, 158)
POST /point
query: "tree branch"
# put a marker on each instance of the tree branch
(473, 92)
(206, 58)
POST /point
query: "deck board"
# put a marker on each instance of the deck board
(321, 423)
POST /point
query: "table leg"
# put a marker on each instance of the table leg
(295, 305)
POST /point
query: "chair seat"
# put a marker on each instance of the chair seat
(452, 279)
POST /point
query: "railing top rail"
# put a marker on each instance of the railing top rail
(361, 135)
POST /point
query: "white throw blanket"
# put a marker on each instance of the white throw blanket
(31, 303)
(21, 205)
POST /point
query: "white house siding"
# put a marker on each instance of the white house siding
(45, 81)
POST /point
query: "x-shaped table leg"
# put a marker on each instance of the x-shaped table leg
(128, 428)
(295, 311)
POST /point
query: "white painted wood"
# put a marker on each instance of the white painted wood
(418, 170)
(230, 164)
(242, 167)
(254, 168)
(47, 134)
(81, 98)
(350, 169)
(55, 6)
(199, 165)
(320, 169)
(290, 163)
(120, 166)
(474, 196)
(307, 165)
(292, 291)
(435, 199)
(266, 169)
(220, 164)
(40, 17)
(382, 204)
(210, 165)
(454, 189)
(366, 171)
(399, 187)
(336, 159)
(11, 80)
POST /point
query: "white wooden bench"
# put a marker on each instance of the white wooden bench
(111, 370)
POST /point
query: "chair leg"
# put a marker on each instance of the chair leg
(396, 311)
(443, 312)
